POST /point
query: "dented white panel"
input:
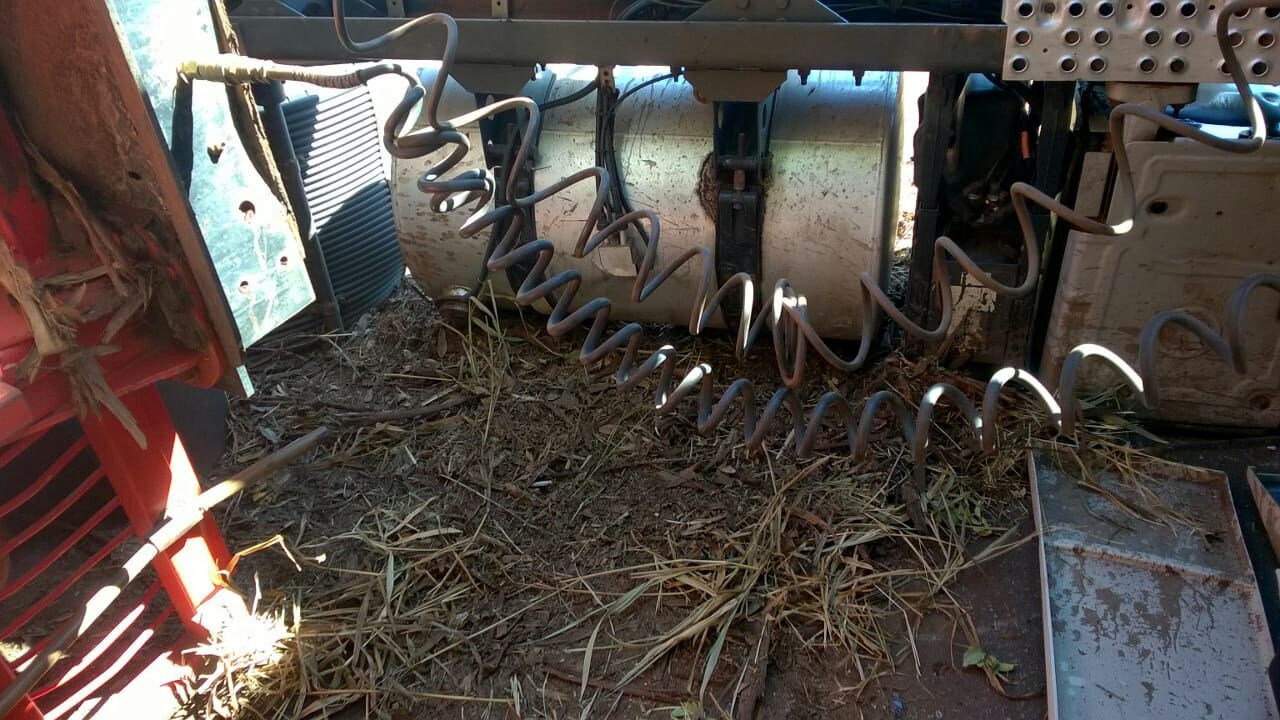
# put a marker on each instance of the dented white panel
(1206, 220)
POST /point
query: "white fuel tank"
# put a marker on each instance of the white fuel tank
(831, 201)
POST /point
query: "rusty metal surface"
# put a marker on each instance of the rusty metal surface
(1148, 619)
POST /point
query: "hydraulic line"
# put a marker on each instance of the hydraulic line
(784, 312)
(572, 97)
(231, 68)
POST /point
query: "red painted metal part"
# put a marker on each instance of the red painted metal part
(41, 482)
(145, 482)
(66, 582)
(149, 482)
(21, 203)
(27, 709)
(96, 683)
(43, 521)
(137, 360)
(85, 658)
(62, 549)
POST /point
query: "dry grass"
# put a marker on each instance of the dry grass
(499, 532)
(1135, 490)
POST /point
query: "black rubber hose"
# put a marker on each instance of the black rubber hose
(572, 97)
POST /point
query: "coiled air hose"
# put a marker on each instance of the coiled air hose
(784, 312)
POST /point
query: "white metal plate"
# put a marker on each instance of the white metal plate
(1134, 41)
(1206, 220)
(1147, 619)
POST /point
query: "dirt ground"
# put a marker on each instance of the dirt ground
(495, 531)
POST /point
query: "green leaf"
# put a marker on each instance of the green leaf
(632, 595)
(688, 710)
(974, 656)
(586, 659)
(1005, 667)
(713, 655)
(391, 576)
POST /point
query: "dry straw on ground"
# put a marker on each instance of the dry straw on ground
(498, 532)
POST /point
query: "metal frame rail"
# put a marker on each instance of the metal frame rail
(714, 45)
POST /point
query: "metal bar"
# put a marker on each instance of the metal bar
(111, 672)
(43, 521)
(19, 663)
(25, 709)
(48, 475)
(61, 550)
(83, 661)
(936, 47)
(66, 583)
(17, 448)
(1056, 160)
(932, 140)
(174, 529)
(271, 98)
(154, 483)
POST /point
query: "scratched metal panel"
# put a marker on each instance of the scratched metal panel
(1148, 619)
(252, 243)
(1206, 220)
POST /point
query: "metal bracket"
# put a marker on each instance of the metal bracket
(1157, 96)
(500, 135)
(485, 79)
(767, 10)
(734, 85)
(748, 85)
(741, 153)
(499, 9)
(395, 8)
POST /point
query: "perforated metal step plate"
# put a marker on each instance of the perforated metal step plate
(1134, 41)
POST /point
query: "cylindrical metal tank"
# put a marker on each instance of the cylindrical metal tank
(830, 201)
